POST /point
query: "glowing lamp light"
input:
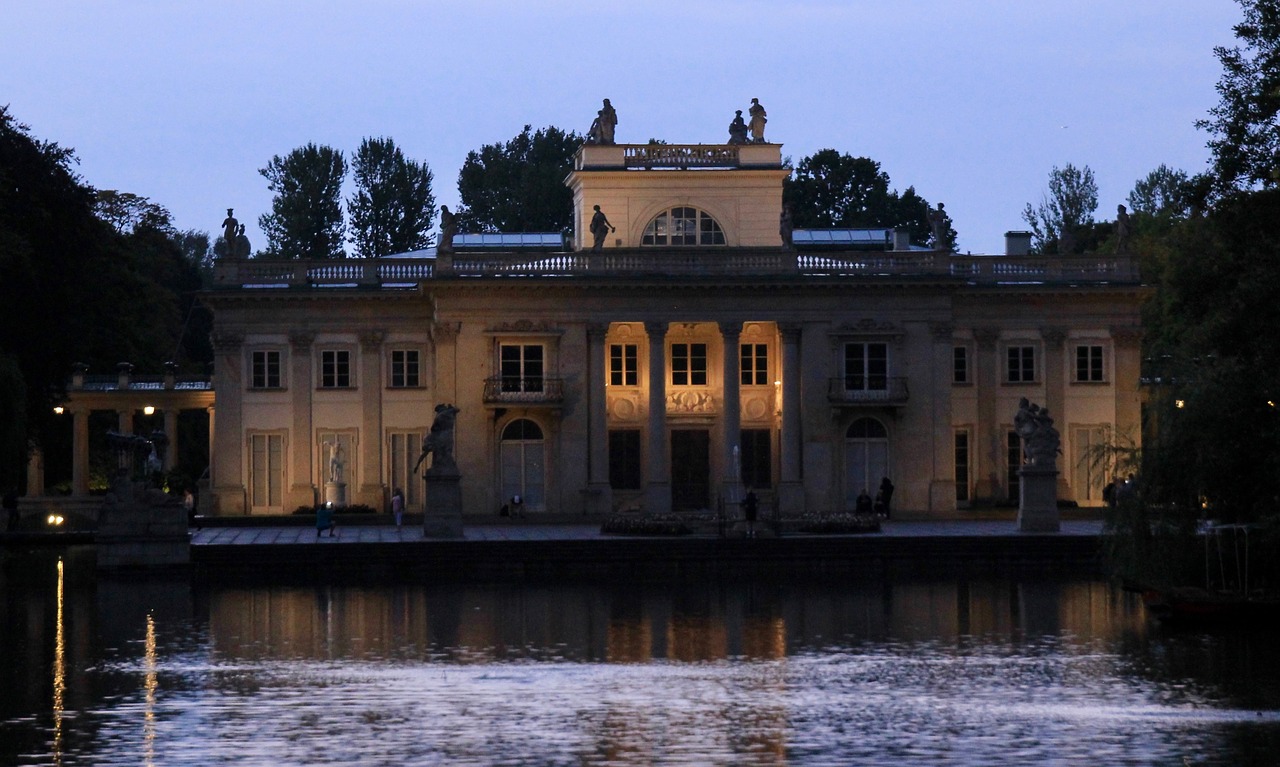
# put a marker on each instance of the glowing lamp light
(149, 410)
(58, 410)
(1180, 404)
(55, 520)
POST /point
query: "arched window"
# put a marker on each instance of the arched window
(682, 227)
(866, 458)
(523, 461)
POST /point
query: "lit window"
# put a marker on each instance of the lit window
(683, 227)
(688, 364)
(622, 365)
(755, 364)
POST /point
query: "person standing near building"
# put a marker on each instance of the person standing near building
(397, 506)
(750, 509)
(886, 492)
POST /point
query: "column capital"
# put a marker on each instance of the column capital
(445, 332)
(596, 331)
(790, 331)
(730, 329)
(942, 331)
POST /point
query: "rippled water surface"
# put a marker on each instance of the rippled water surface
(903, 671)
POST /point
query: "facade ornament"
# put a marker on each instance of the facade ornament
(445, 332)
(371, 340)
(1054, 338)
(986, 338)
(691, 402)
(942, 331)
(224, 341)
(301, 340)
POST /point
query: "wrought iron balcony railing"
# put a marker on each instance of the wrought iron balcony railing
(530, 390)
(868, 390)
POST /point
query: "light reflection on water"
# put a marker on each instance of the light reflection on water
(903, 672)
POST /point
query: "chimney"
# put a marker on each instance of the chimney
(1017, 243)
(901, 239)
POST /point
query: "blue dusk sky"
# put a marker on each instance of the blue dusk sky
(972, 103)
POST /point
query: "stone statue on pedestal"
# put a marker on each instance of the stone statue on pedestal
(439, 441)
(1041, 442)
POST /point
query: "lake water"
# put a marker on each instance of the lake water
(908, 670)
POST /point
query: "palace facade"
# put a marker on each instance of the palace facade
(691, 356)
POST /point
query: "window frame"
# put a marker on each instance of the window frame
(1095, 353)
(866, 378)
(521, 372)
(1020, 375)
(693, 227)
(405, 383)
(624, 365)
(343, 373)
(691, 364)
(753, 364)
(961, 365)
(267, 384)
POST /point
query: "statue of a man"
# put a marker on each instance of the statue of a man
(448, 228)
(757, 121)
(230, 228)
(940, 225)
(738, 129)
(608, 122)
(1123, 229)
(785, 227)
(242, 248)
(336, 463)
(600, 227)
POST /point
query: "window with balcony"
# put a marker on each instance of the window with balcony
(682, 227)
(866, 367)
(521, 367)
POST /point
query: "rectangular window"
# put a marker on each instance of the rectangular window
(624, 459)
(755, 364)
(266, 482)
(405, 368)
(1021, 367)
(1089, 364)
(266, 370)
(866, 367)
(1013, 457)
(688, 364)
(757, 458)
(962, 466)
(622, 365)
(521, 367)
(960, 365)
(335, 369)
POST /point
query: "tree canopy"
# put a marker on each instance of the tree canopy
(1063, 220)
(518, 186)
(1244, 125)
(306, 219)
(830, 190)
(101, 276)
(392, 209)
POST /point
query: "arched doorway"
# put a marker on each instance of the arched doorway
(866, 458)
(523, 464)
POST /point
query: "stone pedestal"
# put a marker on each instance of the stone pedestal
(443, 515)
(1038, 500)
(335, 494)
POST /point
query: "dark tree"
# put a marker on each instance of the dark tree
(306, 214)
(829, 190)
(126, 212)
(1244, 125)
(1063, 222)
(1163, 193)
(519, 186)
(393, 208)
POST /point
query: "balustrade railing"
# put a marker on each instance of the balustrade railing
(680, 156)
(868, 390)
(530, 390)
(677, 263)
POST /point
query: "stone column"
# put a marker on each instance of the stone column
(227, 486)
(986, 455)
(171, 431)
(790, 485)
(657, 485)
(1127, 349)
(444, 336)
(369, 482)
(301, 447)
(35, 473)
(1055, 386)
(731, 417)
(124, 421)
(942, 491)
(80, 451)
(599, 492)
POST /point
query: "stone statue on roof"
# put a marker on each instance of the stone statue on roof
(230, 227)
(757, 121)
(940, 226)
(448, 228)
(1123, 229)
(602, 128)
(738, 129)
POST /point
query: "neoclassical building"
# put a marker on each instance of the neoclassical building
(690, 356)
